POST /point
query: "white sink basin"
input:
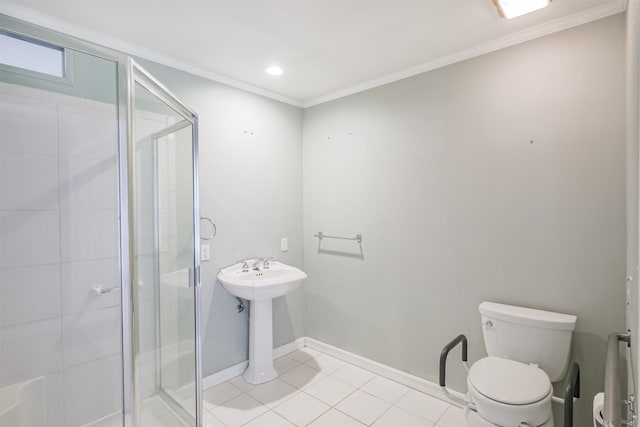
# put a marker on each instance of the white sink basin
(266, 283)
(260, 286)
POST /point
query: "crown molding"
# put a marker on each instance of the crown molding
(573, 20)
(115, 43)
(569, 21)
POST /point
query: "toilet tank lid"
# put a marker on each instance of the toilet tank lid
(528, 316)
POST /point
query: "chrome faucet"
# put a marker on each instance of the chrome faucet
(265, 263)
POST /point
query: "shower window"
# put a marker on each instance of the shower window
(20, 54)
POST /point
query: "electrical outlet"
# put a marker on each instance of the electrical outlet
(205, 252)
(284, 244)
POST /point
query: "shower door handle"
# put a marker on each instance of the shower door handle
(194, 276)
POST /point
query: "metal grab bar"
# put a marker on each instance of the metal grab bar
(612, 402)
(321, 236)
(571, 390)
(443, 367)
(445, 352)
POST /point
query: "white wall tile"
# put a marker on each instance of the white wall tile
(29, 238)
(28, 125)
(26, 92)
(80, 235)
(80, 182)
(92, 390)
(89, 133)
(29, 294)
(146, 366)
(60, 98)
(29, 350)
(5, 88)
(36, 127)
(147, 323)
(100, 106)
(28, 181)
(110, 191)
(91, 335)
(55, 399)
(79, 277)
(109, 238)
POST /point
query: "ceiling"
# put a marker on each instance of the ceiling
(327, 48)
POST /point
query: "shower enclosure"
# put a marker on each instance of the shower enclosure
(99, 239)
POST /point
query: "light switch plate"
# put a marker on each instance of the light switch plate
(205, 252)
(284, 244)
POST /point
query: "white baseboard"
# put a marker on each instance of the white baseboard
(224, 375)
(404, 378)
(290, 347)
(412, 381)
(237, 369)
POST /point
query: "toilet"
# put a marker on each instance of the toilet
(527, 351)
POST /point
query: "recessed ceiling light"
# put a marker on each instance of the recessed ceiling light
(273, 70)
(512, 8)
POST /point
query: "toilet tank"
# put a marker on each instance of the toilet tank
(528, 336)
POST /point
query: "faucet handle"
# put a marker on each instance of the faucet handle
(245, 267)
(265, 262)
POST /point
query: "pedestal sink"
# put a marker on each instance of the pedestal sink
(260, 284)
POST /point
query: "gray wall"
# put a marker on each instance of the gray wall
(500, 178)
(251, 186)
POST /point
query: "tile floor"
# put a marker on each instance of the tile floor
(317, 390)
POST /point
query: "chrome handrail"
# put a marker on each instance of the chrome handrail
(612, 402)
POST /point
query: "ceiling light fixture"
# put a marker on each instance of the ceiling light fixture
(274, 70)
(512, 8)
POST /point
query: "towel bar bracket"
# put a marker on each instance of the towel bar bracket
(321, 236)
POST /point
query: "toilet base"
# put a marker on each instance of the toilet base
(475, 420)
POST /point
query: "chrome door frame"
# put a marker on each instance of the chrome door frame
(138, 75)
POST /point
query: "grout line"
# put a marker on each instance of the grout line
(299, 390)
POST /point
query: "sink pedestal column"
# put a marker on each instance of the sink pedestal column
(260, 368)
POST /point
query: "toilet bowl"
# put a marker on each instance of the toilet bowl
(527, 349)
(507, 393)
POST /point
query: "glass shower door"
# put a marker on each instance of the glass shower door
(166, 283)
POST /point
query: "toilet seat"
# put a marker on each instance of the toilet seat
(507, 393)
(508, 381)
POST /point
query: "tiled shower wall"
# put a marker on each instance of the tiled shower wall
(59, 237)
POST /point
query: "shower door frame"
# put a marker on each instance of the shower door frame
(134, 74)
(127, 71)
